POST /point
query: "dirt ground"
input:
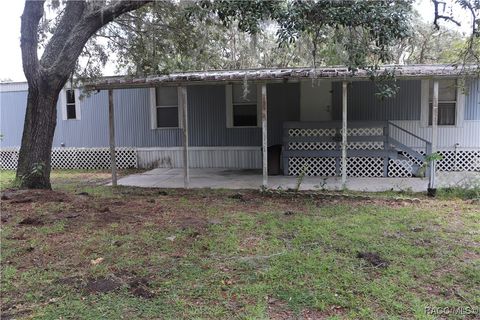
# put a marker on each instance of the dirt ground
(58, 237)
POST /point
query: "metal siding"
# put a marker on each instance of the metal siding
(283, 105)
(206, 157)
(207, 120)
(467, 136)
(13, 86)
(12, 116)
(92, 128)
(207, 116)
(472, 101)
(364, 105)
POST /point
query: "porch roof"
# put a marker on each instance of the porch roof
(277, 74)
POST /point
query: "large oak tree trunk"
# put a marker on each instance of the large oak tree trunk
(39, 127)
(46, 77)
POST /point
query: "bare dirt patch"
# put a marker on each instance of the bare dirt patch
(278, 310)
(137, 286)
(25, 196)
(32, 221)
(374, 259)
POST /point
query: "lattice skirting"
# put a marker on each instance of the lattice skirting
(324, 167)
(460, 160)
(400, 168)
(365, 167)
(77, 158)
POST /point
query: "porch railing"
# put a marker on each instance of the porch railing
(314, 148)
(395, 135)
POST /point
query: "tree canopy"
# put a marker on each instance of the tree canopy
(168, 36)
(152, 37)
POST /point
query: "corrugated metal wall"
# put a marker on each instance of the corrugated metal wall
(201, 157)
(207, 119)
(12, 115)
(364, 105)
(467, 136)
(472, 101)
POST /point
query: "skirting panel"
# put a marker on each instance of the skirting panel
(454, 160)
(77, 158)
(201, 157)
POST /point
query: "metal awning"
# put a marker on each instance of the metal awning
(278, 74)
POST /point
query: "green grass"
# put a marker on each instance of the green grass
(7, 178)
(208, 256)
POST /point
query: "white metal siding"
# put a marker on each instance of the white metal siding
(201, 157)
(467, 136)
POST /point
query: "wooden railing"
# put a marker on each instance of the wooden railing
(426, 145)
(364, 139)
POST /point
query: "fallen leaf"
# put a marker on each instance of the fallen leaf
(96, 261)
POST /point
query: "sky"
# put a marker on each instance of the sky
(10, 54)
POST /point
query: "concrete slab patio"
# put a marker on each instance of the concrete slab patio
(252, 179)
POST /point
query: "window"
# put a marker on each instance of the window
(70, 104)
(242, 106)
(447, 102)
(166, 113)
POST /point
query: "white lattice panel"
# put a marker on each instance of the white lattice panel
(311, 145)
(77, 158)
(413, 159)
(461, 160)
(311, 166)
(8, 159)
(364, 167)
(64, 158)
(367, 145)
(306, 132)
(400, 168)
(363, 131)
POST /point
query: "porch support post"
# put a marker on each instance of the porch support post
(111, 126)
(183, 105)
(344, 134)
(431, 184)
(264, 137)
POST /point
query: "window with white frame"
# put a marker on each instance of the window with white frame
(71, 110)
(165, 109)
(447, 102)
(242, 105)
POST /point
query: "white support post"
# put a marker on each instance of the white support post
(111, 126)
(264, 136)
(344, 134)
(431, 184)
(183, 104)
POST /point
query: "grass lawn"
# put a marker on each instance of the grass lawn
(86, 251)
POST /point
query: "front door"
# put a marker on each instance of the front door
(316, 100)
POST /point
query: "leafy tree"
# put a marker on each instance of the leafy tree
(427, 44)
(76, 23)
(363, 32)
(450, 11)
(275, 34)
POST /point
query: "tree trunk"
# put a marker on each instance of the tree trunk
(47, 76)
(34, 162)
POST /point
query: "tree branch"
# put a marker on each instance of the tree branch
(438, 16)
(86, 27)
(32, 13)
(71, 15)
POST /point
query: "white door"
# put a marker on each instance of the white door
(316, 100)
